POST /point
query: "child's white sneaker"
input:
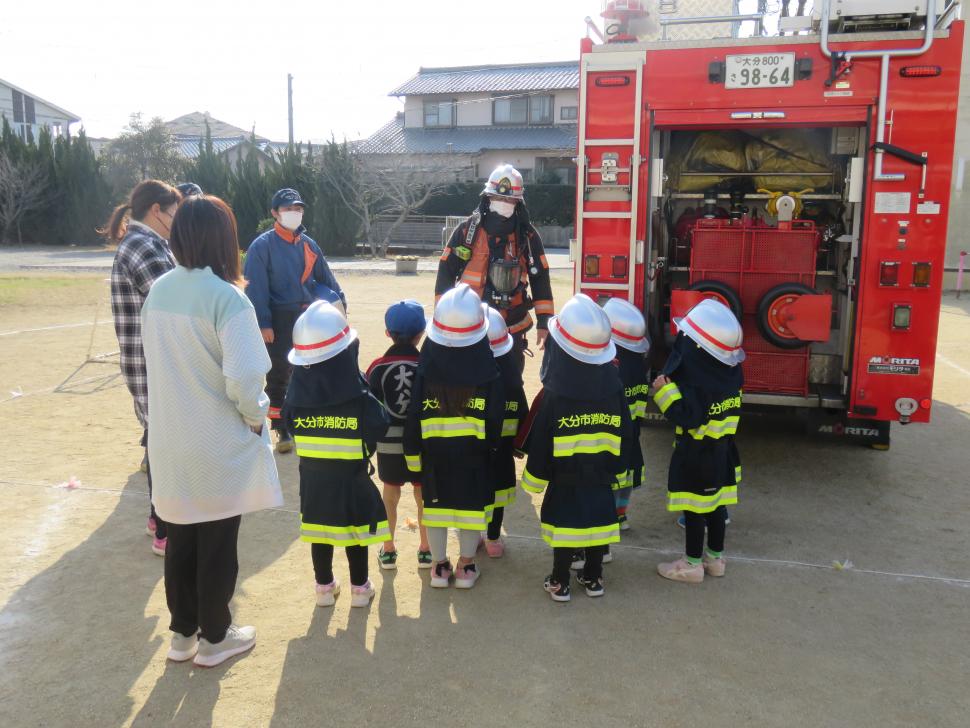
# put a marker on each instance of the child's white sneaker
(466, 575)
(682, 570)
(360, 596)
(327, 593)
(236, 641)
(714, 566)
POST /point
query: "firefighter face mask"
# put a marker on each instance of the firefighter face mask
(504, 275)
(291, 219)
(501, 207)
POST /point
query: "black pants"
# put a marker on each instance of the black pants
(200, 576)
(161, 530)
(278, 378)
(695, 523)
(563, 557)
(495, 527)
(322, 554)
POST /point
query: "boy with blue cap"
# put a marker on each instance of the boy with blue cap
(286, 272)
(391, 378)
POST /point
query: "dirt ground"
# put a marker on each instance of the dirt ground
(787, 638)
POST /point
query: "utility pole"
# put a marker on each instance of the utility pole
(289, 102)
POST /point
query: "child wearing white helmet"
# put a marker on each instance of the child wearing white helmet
(516, 408)
(453, 429)
(579, 444)
(699, 391)
(629, 333)
(335, 422)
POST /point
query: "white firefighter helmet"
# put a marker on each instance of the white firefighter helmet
(629, 328)
(712, 326)
(319, 334)
(504, 181)
(582, 329)
(499, 337)
(459, 319)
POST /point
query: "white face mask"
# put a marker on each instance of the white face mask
(501, 207)
(291, 219)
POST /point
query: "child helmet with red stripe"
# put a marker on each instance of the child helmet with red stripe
(499, 337)
(505, 181)
(629, 328)
(319, 334)
(459, 318)
(582, 330)
(711, 325)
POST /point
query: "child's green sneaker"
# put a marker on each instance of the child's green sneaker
(387, 559)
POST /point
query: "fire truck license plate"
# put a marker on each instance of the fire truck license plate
(760, 71)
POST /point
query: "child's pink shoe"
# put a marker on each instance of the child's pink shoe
(152, 525)
(360, 596)
(714, 566)
(158, 546)
(441, 575)
(327, 593)
(495, 549)
(681, 570)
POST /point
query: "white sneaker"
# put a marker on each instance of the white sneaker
(466, 575)
(327, 593)
(236, 641)
(361, 595)
(608, 557)
(183, 648)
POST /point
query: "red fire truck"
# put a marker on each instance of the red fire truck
(801, 179)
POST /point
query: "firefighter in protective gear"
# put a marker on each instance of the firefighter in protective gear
(699, 391)
(579, 444)
(499, 254)
(516, 408)
(335, 422)
(629, 333)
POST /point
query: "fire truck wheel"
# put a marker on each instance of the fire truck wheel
(773, 318)
(720, 292)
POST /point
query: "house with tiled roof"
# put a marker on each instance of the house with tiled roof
(189, 130)
(27, 113)
(520, 114)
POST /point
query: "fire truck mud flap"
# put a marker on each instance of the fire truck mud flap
(874, 433)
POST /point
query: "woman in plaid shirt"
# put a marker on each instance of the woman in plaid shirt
(141, 227)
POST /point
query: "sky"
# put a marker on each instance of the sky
(104, 59)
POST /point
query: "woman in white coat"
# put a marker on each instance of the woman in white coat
(210, 451)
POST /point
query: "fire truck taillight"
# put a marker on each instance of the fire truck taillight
(902, 315)
(926, 403)
(620, 266)
(921, 275)
(613, 81)
(920, 71)
(889, 273)
(591, 265)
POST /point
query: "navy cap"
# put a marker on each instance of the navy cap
(287, 196)
(405, 318)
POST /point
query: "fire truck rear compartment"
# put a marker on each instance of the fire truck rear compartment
(717, 224)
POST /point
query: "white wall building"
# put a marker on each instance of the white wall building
(27, 114)
(522, 114)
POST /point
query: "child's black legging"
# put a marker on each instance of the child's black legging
(495, 527)
(694, 524)
(562, 558)
(322, 554)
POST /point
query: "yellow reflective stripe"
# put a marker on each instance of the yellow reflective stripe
(557, 536)
(504, 497)
(330, 448)
(510, 428)
(666, 396)
(413, 462)
(589, 442)
(453, 427)
(531, 483)
(687, 501)
(452, 518)
(716, 429)
(623, 480)
(638, 409)
(344, 535)
(737, 474)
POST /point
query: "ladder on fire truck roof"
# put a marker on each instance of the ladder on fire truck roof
(629, 61)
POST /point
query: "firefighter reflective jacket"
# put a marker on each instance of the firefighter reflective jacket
(463, 264)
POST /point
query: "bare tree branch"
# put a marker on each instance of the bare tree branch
(23, 189)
